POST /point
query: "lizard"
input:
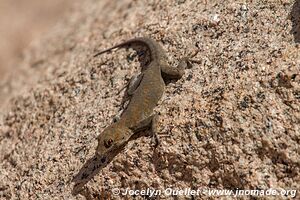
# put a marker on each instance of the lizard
(138, 115)
(144, 94)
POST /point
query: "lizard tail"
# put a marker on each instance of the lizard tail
(154, 47)
(111, 48)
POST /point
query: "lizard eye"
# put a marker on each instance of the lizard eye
(108, 143)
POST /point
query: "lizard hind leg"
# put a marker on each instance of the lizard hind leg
(169, 72)
(132, 85)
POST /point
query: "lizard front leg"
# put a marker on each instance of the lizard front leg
(155, 139)
(149, 122)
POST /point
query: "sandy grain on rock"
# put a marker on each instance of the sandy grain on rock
(231, 122)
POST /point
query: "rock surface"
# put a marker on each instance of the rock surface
(232, 122)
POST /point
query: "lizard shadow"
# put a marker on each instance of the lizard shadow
(295, 19)
(91, 167)
(95, 164)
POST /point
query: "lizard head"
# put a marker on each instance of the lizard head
(111, 139)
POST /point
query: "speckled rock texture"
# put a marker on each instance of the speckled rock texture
(231, 122)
